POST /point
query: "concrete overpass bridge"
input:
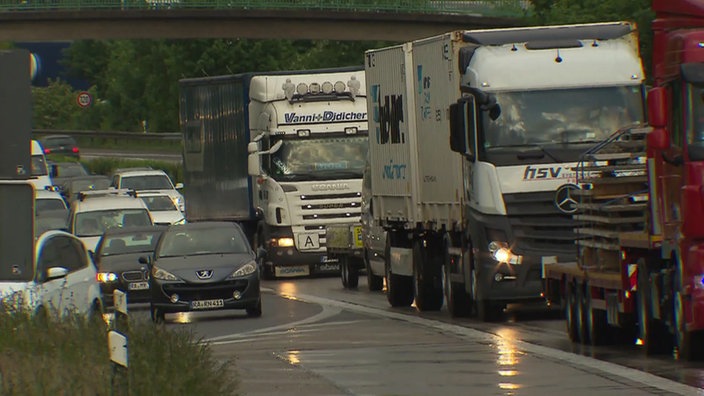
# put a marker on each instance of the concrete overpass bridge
(358, 20)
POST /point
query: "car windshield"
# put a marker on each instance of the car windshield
(147, 182)
(94, 223)
(320, 158)
(39, 166)
(159, 203)
(41, 205)
(562, 116)
(139, 242)
(189, 242)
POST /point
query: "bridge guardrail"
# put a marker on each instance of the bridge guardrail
(483, 7)
(165, 137)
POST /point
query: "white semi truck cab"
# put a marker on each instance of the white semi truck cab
(520, 106)
(307, 155)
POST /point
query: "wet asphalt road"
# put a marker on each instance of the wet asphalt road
(316, 338)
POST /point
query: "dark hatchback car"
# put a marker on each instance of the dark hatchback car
(60, 145)
(203, 266)
(117, 259)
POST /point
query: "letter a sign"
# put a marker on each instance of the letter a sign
(308, 241)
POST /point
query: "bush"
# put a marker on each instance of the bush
(70, 357)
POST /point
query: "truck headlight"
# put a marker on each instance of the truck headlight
(282, 242)
(503, 254)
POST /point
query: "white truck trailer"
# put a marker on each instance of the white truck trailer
(474, 136)
(282, 153)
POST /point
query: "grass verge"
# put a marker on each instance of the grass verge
(70, 357)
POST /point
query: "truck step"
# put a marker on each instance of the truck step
(599, 245)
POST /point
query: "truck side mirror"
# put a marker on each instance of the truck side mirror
(657, 107)
(462, 127)
(659, 138)
(254, 164)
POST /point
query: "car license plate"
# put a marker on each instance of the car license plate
(299, 270)
(207, 304)
(138, 286)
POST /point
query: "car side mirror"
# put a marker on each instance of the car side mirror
(56, 273)
(178, 186)
(261, 253)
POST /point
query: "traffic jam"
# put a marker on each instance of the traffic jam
(547, 224)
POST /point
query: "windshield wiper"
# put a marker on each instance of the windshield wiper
(541, 154)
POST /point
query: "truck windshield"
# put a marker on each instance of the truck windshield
(320, 158)
(562, 116)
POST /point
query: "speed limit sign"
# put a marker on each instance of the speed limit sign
(84, 99)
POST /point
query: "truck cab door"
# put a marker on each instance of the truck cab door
(668, 165)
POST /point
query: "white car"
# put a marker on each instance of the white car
(162, 208)
(63, 279)
(45, 200)
(93, 212)
(148, 179)
(50, 211)
(40, 177)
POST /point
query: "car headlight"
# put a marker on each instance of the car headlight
(244, 270)
(106, 277)
(158, 273)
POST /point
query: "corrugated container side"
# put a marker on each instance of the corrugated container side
(389, 136)
(214, 124)
(439, 177)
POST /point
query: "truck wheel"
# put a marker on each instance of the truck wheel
(349, 273)
(399, 289)
(688, 343)
(425, 275)
(459, 302)
(652, 332)
(490, 311)
(374, 282)
(597, 324)
(581, 314)
(571, 312)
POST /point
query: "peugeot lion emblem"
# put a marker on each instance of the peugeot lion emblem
(204, 274)
(565, 200)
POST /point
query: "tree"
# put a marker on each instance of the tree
(137, 80)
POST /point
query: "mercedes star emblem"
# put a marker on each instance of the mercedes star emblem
(565, 198)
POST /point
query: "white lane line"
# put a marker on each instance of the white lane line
(550, 353)
(327, 312)
(248, 336)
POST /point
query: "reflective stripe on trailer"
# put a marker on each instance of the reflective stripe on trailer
(633, 276)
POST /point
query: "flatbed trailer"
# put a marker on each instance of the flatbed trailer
(598, 290)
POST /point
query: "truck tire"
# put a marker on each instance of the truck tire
(581, 314)
(598, 328)
(459, 302)
(653, 333)
(349, 273)
(571, 311)
(490, 311)
(689, 344)
(426, 279)
(399, 289)
(374, 282)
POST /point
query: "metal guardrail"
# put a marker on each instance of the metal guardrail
(514, 8)
(170, 136)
